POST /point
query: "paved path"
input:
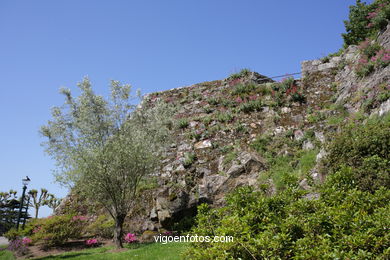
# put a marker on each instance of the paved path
(3, 241)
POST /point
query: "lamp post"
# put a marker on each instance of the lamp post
(25, 182)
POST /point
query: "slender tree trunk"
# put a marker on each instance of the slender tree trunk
(118, 231)
(36, 212)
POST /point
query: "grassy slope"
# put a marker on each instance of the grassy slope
(143, 252)
(6, 255)
(146, 251)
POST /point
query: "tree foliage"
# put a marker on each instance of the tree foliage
(104, 148)
(365, 21)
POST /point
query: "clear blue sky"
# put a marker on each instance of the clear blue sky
(153, 45)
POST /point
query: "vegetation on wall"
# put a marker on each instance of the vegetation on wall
(348, 221)
(366, 21)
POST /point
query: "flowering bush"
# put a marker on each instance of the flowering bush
(27, 241)
(92, 242)
(373, 56)
(366, 20)
(102, 227)
(130, 238)
(287, 89)
(18, 247)
(79, 218)
(58, 229)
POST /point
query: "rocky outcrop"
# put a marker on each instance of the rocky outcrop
(223, 126)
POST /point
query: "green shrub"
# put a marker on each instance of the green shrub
(57, 230)
(241, 89)
(253, 105)
(13, 234)
(31, 224)
(298, 97)
(243, 73)
(224, 117)
(189, 159)
(260, 143)
(286, 171)
(264, 89)
(335, 120)
(365, 21)
(102, 227)
(226, 149)
(240, 128)
(315, 117)
(213, 101)
(229, 157)
(182, 123)
(349, 224)
(356, 27)
(184, 224)
(195, 135)
(207, 110)
(364, 148)
(207, 120)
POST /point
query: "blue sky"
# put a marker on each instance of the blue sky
(153, 45)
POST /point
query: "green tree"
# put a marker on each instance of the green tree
(38, 201)
(104, 148)
(52, 202)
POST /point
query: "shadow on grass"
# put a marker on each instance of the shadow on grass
(65, 256)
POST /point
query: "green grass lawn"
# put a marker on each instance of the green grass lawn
(143, 251)
(6, 255)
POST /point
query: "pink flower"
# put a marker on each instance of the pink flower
(92, 242)
(254, 97)
(363, 60)
(363, 45)
(79, 218)
(370, 25)
(374, 58)
(130, 238)
(234, 82)
(26, 241)
(386, 57)
(239, 100)
(372, 15)
(37, 229)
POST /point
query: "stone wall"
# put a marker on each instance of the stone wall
(323, 65)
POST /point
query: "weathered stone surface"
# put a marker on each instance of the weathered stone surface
(383, 109)
(384, 38)
(285, 110)
(298, 135)
(153, 214)
(279, 130)
(225, 161)
(203, 144)
(184, 147)
(307, 145)
(320, 136)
